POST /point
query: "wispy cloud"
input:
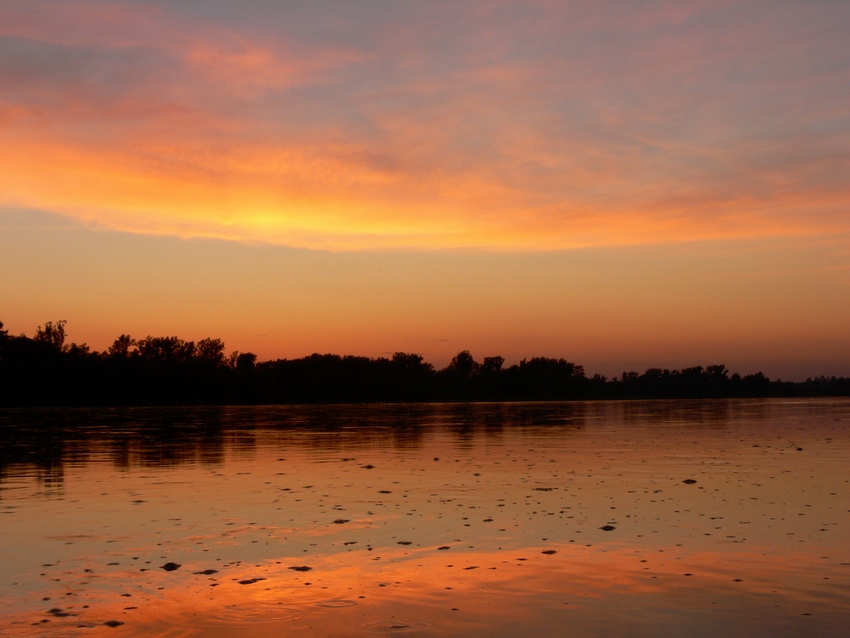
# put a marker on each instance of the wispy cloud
(541, 126)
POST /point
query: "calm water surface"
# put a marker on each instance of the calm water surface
(698, 518)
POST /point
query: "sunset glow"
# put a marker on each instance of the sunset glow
(514, 140)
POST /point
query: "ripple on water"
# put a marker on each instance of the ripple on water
(256, 612)
(334, 604)
(396, 626)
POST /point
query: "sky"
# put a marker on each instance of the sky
(623, 184)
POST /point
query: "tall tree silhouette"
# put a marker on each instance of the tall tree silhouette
(46, 370)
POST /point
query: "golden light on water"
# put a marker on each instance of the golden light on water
(442, 519)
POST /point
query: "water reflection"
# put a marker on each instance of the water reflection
(624, 518)
(40, 442)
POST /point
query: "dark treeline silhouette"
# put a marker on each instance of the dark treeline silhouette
(44, 370)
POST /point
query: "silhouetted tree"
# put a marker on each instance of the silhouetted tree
(210, 352)
(245, 361)
(45, 370)
(456, 380)
(410, 362)
(52, 334)
(754, 385)
(121, 346)
(407, 377)
(166, 349)
(492, 365)
(545, 378)
(463, 365)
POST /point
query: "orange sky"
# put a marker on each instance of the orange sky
(621, 185)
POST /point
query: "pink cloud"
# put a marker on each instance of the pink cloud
(542, 127)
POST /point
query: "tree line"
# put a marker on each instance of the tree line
(45, 370)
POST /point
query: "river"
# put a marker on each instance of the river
(631, 518)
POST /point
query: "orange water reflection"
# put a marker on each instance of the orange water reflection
(497, 593)
(521, 499)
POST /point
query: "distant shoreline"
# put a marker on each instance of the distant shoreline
(162, 371)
